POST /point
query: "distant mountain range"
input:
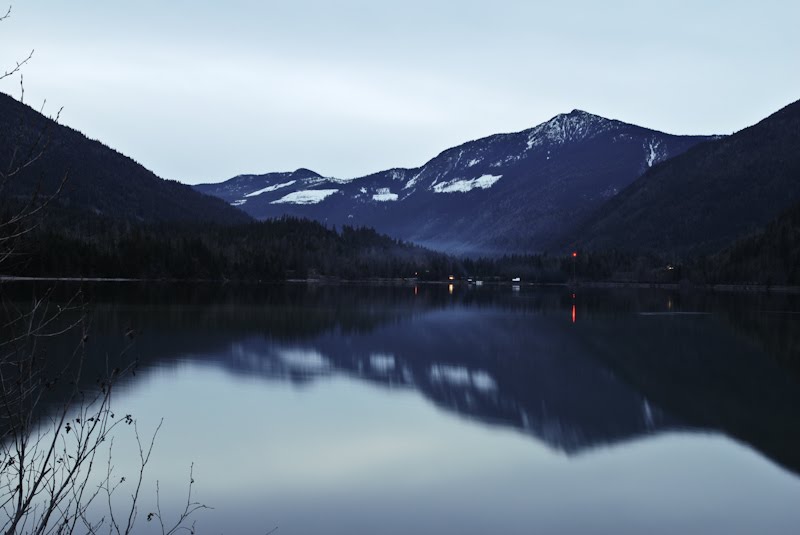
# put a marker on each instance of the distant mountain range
(99, 180)
(705, 199)
(519, 192)
(575, 181)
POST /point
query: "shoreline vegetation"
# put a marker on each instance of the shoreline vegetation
(69, 244)
(611, 284)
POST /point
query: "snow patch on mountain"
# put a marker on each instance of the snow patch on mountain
(311, 196)
(654, 152)
(413, 181)
(573, 126)
(337, 180)
(316, 181)
(239, 202)
(384, 194)
(511, 158)
(462, 186)
(270, 188)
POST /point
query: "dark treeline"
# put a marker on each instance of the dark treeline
(67, 243)
(769, 257)
(72, 243)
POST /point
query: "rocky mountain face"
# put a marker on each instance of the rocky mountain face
(506, 193)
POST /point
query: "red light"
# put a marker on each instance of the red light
(575, 254)
(574, 314)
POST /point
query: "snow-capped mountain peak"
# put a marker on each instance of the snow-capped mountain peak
(508, 192)
(569, 127)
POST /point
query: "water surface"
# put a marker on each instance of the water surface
(369, 409)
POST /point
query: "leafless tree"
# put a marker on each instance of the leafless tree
(56, 425)
(25, 153)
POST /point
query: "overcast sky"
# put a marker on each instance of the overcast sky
(201, 91)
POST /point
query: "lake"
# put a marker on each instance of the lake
(434, 409)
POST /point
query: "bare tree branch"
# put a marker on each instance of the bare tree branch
(54, 422)
(19, 64)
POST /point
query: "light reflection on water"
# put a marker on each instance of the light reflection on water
(391, 411)
(344, 457)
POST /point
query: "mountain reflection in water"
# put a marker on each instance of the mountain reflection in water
(572, 371)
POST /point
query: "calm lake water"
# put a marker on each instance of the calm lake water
(422, 410)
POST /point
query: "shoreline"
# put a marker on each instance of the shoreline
(733, 288)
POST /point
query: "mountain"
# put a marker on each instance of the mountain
(514, 192)
(708, 197)
(770, 257)
(99, 179)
